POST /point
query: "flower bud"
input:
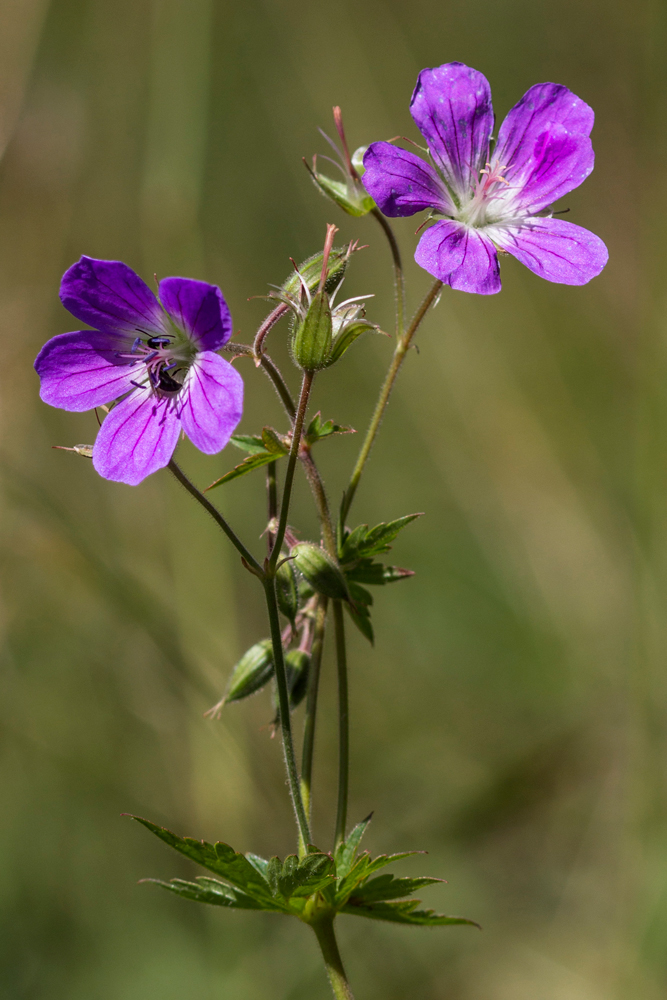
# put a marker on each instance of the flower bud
(252, 671)
(311, 345)
(320, 570)
(287, 590)
(297, 665)
(311, 270)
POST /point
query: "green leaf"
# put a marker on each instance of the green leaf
(209, 890)
(360, 615)
(220, 858)
(376, 574)
(300, 878)
(262, 450)
(360, 595)
(317, 429)
(347, 851)
(248, 442)
(403, 913)
(357, 873)
(390, 886)
(347, 336)
(364, 542)
(259, 864)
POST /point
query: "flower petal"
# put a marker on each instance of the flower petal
(462, 257)
(211, 402)
(554, 249)
(138, 437)
(81, 370)
(402, 183)
(560, 162)
(108, 295)
(544, 105)
(199, 309)
(451, 106)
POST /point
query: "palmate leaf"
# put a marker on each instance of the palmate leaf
(219, 858)
(386, 887)
(262, 450)
(403, 912)
(376, 574)
(209, 890)
(346, 852)
(300, 878)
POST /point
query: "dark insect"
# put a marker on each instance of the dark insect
(155, 343)
(167, 383)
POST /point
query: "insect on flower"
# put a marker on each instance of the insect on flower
(488, 200)
(151, 357)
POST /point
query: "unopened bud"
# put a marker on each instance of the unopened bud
(287, 590)
(319, 569)
(297, 665)
(252, 672)
(311, 345)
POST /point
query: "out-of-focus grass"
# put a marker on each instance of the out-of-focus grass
(511, 718)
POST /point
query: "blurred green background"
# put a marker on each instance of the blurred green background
(511, 719)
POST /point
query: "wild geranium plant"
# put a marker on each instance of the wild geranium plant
(152, 363)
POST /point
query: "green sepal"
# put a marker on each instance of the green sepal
(404, 912)
(320, 570)
(363, 541)
(267, 448)
(209, 890)
(219, 858)
(355, 202)
(318, 429)
(347, 336)
(311, 344)
(297, 667)
(311, 269)
(287, 590)
(86, 450)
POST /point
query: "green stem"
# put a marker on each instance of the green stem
(343, 723)
(321, 502)
(311, 705)
(285, 721)
(291, 465)
(399, 355)
(326, 937)
(272, 499)
(398, 271)
(217, 517)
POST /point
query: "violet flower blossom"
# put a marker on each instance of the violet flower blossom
(491, 201)
(154, 358)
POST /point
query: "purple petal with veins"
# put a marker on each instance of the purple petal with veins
(402, 183)
(81, 370)
(211, 402)
(199, 310)
(461, 257)
(137, 438)
(108, 295)
(555, 249)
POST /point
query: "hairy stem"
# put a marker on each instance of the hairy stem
(398, 271)
(272, 499)
(326, 938)
(311, 705)
(343, 723)
(297, 429)
(321, 501)
(399, 355)
(216, 515)
(285, 721)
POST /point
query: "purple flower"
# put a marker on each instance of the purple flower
(496, 200)
(153, 357)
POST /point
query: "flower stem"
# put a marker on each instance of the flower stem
(272, 499)
(285, 721)
(398, 271)
(311, 706)
(291, 465)
(319, 494)
(399, 355)
(343, 723)
(217, 517)
(326, 937)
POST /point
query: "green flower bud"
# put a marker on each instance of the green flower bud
(311, 345)
(287, 590)
(252, 671)
(311, 271)
(320, 570)
(297, 665)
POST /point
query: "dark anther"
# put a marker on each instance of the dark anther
(157, 342)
